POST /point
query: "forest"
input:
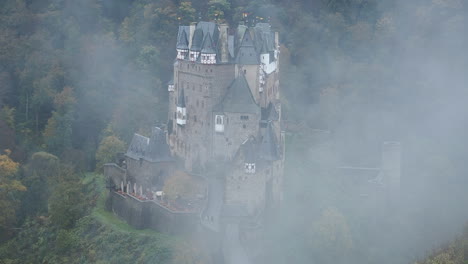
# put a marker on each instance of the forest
(79, 78)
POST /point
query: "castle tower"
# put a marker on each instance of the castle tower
(225, 97)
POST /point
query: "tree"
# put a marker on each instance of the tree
(40, 175)
(107, 151)
(67, 202)
(180, 185)
(7, 126)
(186, 13)
(9, 188)
(218, 9)
(58, 131)
(330, 237)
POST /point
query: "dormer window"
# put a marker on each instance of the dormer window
(249, 168)
(208, 58)
(181, 53)
(194, 55)
(219, 123)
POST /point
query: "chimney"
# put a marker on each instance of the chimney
(192, 30)
(223, 43)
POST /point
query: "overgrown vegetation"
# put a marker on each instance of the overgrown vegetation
(78, 78)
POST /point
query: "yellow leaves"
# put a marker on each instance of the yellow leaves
(65, 98)
(108, 149)
(8, 185)
(8, 167)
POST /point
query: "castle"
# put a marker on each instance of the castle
(223, 130)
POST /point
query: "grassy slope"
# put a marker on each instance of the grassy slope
(98, 237)
(454, 253)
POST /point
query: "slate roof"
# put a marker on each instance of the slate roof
(249, 149)
(158, 150)
(154, 149)
(238, 98)
(197, 40)
(247, 54)
(181, 99)
(138, 147)
(244, 44)
(270, 113)
(207, 46)
(268, 149)
(182, 39)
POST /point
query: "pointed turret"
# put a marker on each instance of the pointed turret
(208, 53)
(247, 55)
(182, 44)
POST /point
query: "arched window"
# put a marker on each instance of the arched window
(219, 123)
(219, 120)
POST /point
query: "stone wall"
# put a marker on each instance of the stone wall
(115, 173)
(148, 174)
(204, 86)
(236, 130)
(245, 188)
(148, 214)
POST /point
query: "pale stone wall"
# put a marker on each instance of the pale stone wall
(148, 174)
(244, 188)
(236, 131)
(204, 86)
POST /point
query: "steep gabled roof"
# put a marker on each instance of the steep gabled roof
(181, 99)
(154, 149)
(197, 40)
(238, 99)
(158, 150)
(207, 46)
(201, 33)
(270, 113)
(182, 40)
(247, 54)
(138, 147)
(268, 149)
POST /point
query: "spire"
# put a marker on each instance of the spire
(197, 40)
(207, 46)
(181, 100)
(247, 54)
(182, 42)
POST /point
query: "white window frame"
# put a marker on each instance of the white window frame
(219, 126)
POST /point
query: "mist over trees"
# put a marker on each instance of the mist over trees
(78, 78)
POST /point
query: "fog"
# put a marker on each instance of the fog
(401, 78)
(411, 89)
